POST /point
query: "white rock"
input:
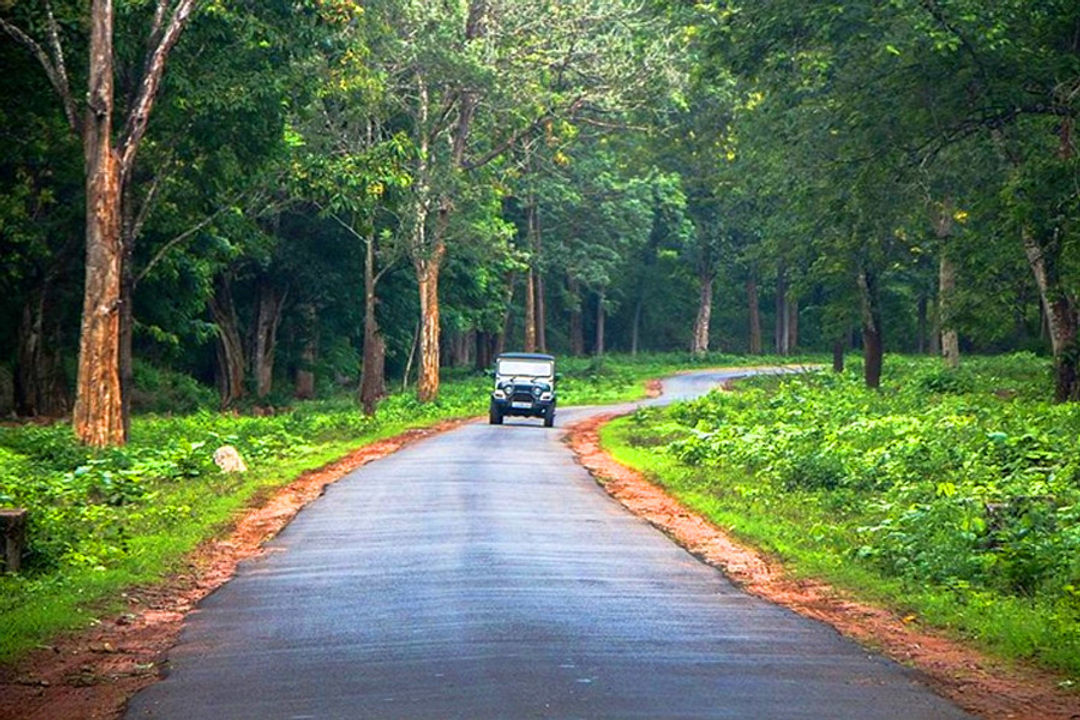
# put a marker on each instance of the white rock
(228, 459)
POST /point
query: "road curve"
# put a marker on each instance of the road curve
(483, 574)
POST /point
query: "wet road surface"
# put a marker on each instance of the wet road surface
(483, 574)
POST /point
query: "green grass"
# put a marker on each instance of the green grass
(103, 522)
(950, 496)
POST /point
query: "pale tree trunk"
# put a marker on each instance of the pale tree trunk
(950, 340)
(412, 357)
(541, 314)
(873, 349)
(921, 324)
(700, 343)
(791, 321)
(781, 333)
(577, 329)
(98, 418)
(934, 336)
(541, 308)
(309, 332)
(635, 328)
(600, 314)
(1060, 308)
(755, 316)
(373, 373)
(230, 351)
(268, 317)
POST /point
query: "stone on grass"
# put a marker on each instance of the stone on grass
(228, 459)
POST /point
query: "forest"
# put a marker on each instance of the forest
(298, 226)
(288, 199)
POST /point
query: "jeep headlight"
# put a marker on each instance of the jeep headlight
(536, 391)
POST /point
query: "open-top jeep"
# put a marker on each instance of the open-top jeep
(524, 385)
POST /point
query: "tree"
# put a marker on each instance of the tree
(98, 416)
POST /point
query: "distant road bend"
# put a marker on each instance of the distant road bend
(481, 574)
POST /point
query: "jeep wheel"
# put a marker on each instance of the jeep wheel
(549, 416)
(494, 416)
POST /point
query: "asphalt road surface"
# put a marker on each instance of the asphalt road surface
(483, 574)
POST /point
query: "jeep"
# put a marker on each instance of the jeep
(524, 386)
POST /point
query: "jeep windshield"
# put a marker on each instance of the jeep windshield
(516, 367)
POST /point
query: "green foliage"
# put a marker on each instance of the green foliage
(966, 482)
(160, 390)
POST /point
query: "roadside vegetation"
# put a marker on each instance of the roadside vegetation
(104, 520)
(952, 496)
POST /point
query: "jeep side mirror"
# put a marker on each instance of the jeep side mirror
(558, 376)
(489, 373)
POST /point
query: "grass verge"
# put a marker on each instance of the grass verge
(950, 498)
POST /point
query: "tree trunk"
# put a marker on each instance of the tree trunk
(230, 352)
(427, 280)
(934, 335)
(950, 341)
(755, 316)
(635, 328)
(98, 418)
(921, 325)
(499, 345)
(305, 373)
(461, 348)
(541, 314)
(127, 304)
(599, 348)
(39, 378)
(540, 305)
(791, 320)
(1061, 314)
(838, 347)
(530, 311)
(412, 356)
(485, 345)
(373, 373)
(781, 333)
(700, 343)
(268, 317)
(873, 350)
(577, 327)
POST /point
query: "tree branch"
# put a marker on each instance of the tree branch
(160, 254)
(55, 72)
(139, 116)
(61, 70)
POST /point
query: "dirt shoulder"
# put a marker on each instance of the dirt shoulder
(980, 684)
(92, 674)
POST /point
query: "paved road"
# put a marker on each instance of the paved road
(483, 574)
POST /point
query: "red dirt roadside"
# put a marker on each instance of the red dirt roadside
(982, 685)
(92, 674)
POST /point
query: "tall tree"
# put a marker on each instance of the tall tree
(98, 416)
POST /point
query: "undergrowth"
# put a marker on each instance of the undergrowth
(953, 495)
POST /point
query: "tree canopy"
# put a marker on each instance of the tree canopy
(324, 188)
